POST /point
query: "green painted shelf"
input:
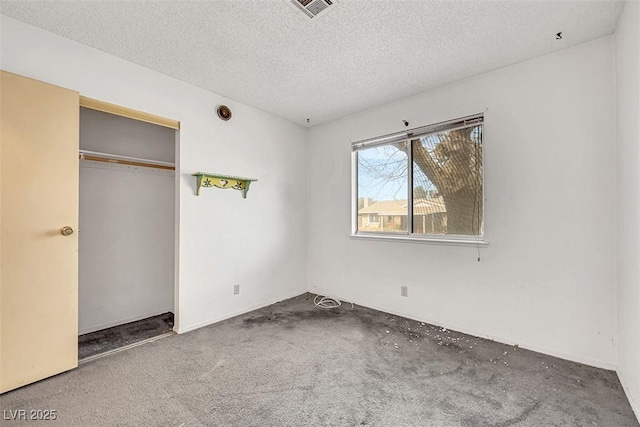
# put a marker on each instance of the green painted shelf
(208, 180)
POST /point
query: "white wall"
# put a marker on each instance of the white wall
(258, 242)
(126, 235)
(547, 279)
(126, 244)
(628, 114)
(112, 134)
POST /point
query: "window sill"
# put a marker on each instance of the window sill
(449, 241)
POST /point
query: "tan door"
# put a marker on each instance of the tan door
(38, 197)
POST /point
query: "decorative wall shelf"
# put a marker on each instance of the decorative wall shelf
(223, 181)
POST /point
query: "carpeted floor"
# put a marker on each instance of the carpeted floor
(109, 339)
(292, 365)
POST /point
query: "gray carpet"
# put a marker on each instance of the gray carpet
(109, 339)
(292, 365)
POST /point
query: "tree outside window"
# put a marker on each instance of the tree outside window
(425, 182)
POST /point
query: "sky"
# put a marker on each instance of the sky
(382, 171)
(382, 174)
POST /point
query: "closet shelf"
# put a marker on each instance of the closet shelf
(97, 156)
(207, 180)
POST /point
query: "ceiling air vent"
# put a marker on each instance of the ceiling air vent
(311, 8)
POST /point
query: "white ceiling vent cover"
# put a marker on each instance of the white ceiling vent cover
(312, 8)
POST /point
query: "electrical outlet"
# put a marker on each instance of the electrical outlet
(236, 289)
(404, 291)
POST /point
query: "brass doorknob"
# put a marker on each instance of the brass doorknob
(66, 231)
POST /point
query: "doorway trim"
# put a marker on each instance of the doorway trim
(118, 110)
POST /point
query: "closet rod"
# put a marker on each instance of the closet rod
(124, 160)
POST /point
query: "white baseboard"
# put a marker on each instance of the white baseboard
(635, 404)
(234, 314)
(571, 357)
(89, 329)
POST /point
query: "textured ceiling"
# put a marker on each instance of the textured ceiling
(354, 56)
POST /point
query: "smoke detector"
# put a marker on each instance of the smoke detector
(312, 8)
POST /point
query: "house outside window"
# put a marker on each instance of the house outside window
(426, 183)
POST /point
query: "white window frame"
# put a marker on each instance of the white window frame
(409, 236)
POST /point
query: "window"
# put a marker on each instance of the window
(425, 183)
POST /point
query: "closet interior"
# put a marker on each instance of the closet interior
(126, 232)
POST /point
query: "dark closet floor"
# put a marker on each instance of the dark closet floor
(118, 336)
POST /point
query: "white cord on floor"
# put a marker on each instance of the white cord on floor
(327, 302)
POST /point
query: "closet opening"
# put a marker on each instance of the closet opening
(127, 231)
